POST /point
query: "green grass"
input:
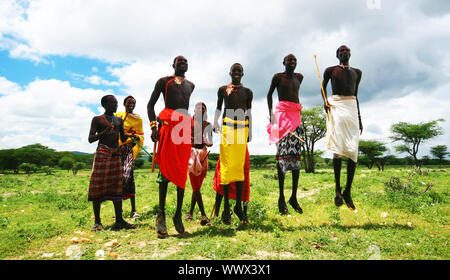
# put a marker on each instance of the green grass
(41, 214)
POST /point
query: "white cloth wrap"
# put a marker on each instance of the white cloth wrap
(342, 135)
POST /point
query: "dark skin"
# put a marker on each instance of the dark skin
(130, 104)
(241, 99)
(205, 138)
(345, 82)
(287, 85)
(107, 129)
(103, 130)
(177, 97)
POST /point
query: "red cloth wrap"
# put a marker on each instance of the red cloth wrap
(232, 193)
(196, 181)
(173, 157)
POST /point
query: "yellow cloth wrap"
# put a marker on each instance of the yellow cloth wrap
(133, 121)
(232, 151)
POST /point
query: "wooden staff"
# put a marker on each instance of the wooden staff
(296, 136)
(212, 211)
(154, 155)
(218, 131)
(323, 92)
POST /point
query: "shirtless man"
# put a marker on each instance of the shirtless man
(172, 155)
(236, 132)
(285, 128)
(106, 178)
(343, 130)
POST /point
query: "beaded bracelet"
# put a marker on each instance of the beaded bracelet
(153, 124)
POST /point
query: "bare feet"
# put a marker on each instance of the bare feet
(294, 203)
(241, 215)
(348, 200)
(338, 200)
(226, 216)
(178, 223)
(282, 207)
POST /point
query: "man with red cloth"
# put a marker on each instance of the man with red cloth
(174, 136)
(285, 128)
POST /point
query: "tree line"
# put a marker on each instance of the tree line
(371, 152)
(32, 158)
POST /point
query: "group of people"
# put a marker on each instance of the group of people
(182, 141)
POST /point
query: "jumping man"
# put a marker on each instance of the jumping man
(285, 128)
(345, 126)
(174, 148)
(236, 132)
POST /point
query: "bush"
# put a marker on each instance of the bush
(77, 166)
(28, 167)
(409, 194)
(66, 163)
(139, 162)
(47, 169)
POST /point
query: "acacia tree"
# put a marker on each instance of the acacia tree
(77, 166)
(373, 150)
(412, 135)
(28, 167)
(66, 163)
(314, 128)
(440, 152)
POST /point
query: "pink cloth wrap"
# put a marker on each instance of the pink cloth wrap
(287, 119)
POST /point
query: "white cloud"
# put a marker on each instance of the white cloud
(93, 79)
(416, 107)
(8, 87)
(46, 108)
(401, 48)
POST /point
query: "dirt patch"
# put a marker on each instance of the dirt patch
(280, 255)
(313, 192)
(6, 195)
(35, 192)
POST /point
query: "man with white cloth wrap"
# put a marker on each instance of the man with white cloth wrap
(344, 121)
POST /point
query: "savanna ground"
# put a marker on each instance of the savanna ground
(49, 217)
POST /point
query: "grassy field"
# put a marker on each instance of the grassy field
(49, 217)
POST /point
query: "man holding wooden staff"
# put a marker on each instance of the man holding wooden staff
(344, 120)
(174, 136)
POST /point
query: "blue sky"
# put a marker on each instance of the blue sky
(58, 58)
(63, 68)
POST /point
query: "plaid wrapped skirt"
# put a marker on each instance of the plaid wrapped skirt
(126, 153)
(106, 176)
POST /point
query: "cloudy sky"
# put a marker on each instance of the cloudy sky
(59, 57)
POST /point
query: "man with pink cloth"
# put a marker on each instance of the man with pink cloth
(285, 128)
